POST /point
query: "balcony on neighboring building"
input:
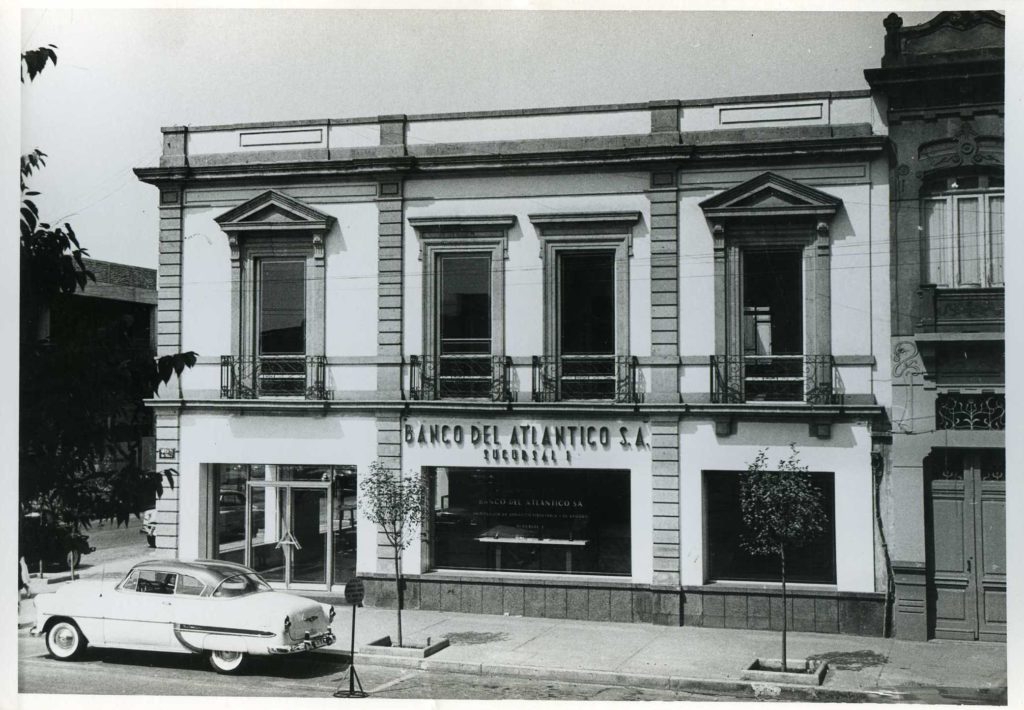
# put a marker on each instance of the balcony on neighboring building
(742, 379)
(586, 377)
(963, 310)
(269, 376)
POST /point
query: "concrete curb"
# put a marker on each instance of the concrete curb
(702, 686)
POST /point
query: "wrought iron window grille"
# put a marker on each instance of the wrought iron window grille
(739, 379)
(462, 376)
(955, 410)
(291, 376)
(587, 377)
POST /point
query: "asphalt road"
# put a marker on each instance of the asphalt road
(116, 672)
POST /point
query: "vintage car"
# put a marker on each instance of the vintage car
(47, 542)
(220, 609)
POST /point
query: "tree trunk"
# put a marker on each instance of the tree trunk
(398, 591)
(782, 559)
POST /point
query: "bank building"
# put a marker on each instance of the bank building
(579, 324)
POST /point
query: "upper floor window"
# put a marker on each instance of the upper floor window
(962, 221)
(773, 330)
(464, 343)
(463, 308)
(277, 299)
(586, 296)
(281, 326)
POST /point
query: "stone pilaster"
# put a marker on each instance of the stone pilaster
(389, 288)
(168, 341)
(664, 200)
(665, 519)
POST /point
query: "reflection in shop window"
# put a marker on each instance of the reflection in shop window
(568, 522)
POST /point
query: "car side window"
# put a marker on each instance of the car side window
(189, 586)
(155, 582)
(131, 581)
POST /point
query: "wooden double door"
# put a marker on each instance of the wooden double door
(966, 536)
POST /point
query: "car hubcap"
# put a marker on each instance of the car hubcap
(64, 638)
(228, 658)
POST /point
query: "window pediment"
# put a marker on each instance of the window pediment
(273, 211)
(770, 195)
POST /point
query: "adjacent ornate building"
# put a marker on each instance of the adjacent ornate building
(942, 85)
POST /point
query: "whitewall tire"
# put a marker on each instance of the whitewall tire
(65, 641)
(227, 661)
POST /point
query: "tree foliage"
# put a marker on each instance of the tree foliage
(397, 505)
(82, 417)
(782, 508)
(34, 61)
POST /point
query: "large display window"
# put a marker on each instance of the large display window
(813, 562)
(536, 520)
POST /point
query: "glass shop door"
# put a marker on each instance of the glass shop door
(289, 533)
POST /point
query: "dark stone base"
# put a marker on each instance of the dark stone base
(741, 607)
(755, 607)
(585, 600)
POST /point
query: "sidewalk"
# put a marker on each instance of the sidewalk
(695, 660)
(687, 658)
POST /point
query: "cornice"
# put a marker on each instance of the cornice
(554, 160)
(741, 412)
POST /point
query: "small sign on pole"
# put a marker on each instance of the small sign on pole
(355, 591)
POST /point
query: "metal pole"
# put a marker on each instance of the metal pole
(352, 657)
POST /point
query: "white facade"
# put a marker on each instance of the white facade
(671, 198)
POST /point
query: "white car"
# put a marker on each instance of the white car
(221, 609)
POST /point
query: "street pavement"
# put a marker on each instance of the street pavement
(533, 656)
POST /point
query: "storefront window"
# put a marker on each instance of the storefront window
(814, 562)
(568, 522)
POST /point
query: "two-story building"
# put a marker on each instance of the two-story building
(579, 324)
(942, 83)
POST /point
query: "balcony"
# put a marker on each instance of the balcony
(586, 377)
(293, 376)
(740, 379)
(970, 310)
(462, 376)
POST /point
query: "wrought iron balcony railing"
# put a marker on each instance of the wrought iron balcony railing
(736, 379)
(273, 376)
(460, 377)
(568, 377)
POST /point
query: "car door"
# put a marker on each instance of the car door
(142, 612)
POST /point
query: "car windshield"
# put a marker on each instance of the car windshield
(240, 585)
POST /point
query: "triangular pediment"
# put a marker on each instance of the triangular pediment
(273, 210)
(770, 195)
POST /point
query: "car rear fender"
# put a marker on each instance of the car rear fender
(217, 642)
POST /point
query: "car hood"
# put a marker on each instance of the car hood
(87, 587)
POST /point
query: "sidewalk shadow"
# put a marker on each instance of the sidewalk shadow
(851, 660)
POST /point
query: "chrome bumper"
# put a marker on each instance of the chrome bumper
(325, 639)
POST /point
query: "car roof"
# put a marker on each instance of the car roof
(211, 572)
